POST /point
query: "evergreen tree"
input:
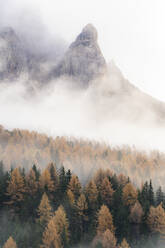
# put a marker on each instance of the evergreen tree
(54, 175)
(36, 171)
(159, 196)
(92, 195)
(151, 194)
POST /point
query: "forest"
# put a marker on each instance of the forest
(51, 208)
(22, 148)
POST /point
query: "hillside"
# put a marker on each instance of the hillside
(23, 148)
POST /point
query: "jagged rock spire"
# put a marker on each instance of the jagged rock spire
(83, 61)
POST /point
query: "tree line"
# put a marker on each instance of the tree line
(53, 209)
(24, 148)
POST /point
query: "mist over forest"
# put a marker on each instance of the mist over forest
(82, 149)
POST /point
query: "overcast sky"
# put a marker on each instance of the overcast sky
(131, 32)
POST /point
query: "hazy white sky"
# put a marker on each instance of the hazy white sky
(131, 32)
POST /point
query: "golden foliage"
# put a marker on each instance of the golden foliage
(62, 225)
(156, 220)
(31, 183)
(44, 211)
(124, 244)
(71, 197)
(105, 220)
(50, 236)
(129, 195)
(75, 186)
(16, 187)
(92, 194)
(106, 191)
(108, 239)
(82, 207)
(10, 243)
(45, 181)
(26, 148)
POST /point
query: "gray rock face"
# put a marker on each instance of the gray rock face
(83, 61)
(12, 55)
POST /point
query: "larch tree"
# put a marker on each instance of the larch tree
(108, 239)
(44, 211)
(54, 175)
(75, 186)
(62, 225)
(70, 197)
(92, 194)
(15, 189)
(51, 238)
(105, 220)
(105, 240)
(136, 213)
(106, 192)
(124, 244)
(129, 195)
(82, 208)
(31, 183)
(10, 243)
(46, 182)
(156, 220)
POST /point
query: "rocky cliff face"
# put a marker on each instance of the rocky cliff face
(83, 61)
(12, 55)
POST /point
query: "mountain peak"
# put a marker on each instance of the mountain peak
(87, 36)
(12, 55)
(83, 61)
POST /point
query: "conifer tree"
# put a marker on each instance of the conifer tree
(70, 197)
(159, 196)
(10, 243)
(36, 171)
(15, 189)
(31, 183)
(62, 226)
(82, 208)
(62, 181)
(105, 220)
(75, 186)
(156, 220)
(136, 213)
(92, 194)
(129, 195)
(106, 192)
(124, 244)
(44, 211)
(151, 194)
(45, 182)
(108, 239)
(54, 175)
(105, 240)
(51, 238)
